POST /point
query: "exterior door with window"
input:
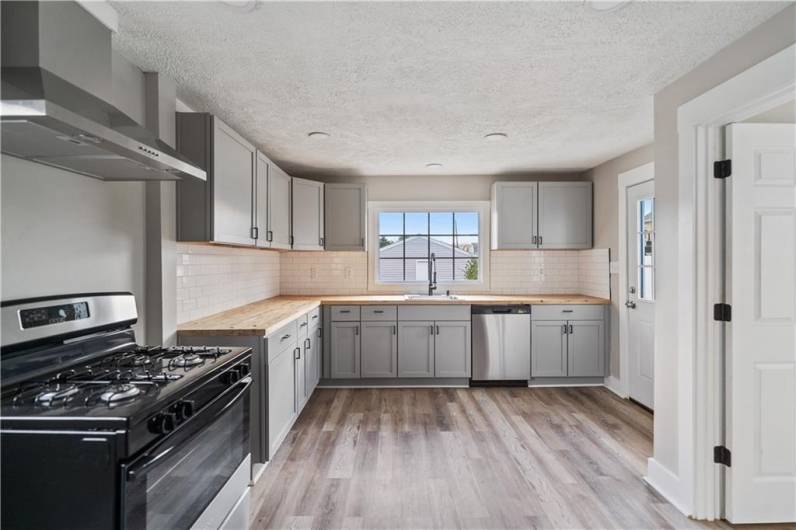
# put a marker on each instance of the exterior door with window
(640, 287)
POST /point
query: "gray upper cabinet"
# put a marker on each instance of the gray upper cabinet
(345, 350)
(260, 206)
(278, 232)
(586, 348)
(548, 215)
(452, 349)
(565, 215)
(514, 215)
(549, 348)
(220, 208)
(416, 349)
(307, 213)
(379, 349)
(345, 215)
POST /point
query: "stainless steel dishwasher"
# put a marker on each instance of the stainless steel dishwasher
(501, 343)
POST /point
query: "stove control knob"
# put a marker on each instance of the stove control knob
(243, 370)
(162, 423)
(231, 377)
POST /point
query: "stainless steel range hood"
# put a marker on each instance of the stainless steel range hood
(47, 119)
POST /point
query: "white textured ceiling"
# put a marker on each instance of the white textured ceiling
(400, 85)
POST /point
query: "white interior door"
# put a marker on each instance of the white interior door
(640, 305)
(761, 337)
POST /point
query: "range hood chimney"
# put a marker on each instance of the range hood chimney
(54, 110)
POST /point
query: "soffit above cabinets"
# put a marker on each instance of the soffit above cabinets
(399, 85)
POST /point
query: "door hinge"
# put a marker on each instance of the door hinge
(722, 312)
(722, 169)
(722, 455)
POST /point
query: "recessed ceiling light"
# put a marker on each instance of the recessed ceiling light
(242, 5)
(496, 136)
(607, 5)
(320, 135)
(433, 165)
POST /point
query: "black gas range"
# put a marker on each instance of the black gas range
(100, 432)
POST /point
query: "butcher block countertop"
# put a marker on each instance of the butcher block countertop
(266, 316)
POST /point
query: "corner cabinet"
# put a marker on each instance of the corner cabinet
(541, 215)
(246, 197)
(345, 216)
(307, 214)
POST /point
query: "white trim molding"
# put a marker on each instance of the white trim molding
(627, 179)
(666, 483)
(700, 123)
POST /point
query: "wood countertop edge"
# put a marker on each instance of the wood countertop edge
(248, 318)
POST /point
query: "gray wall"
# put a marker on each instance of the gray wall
(606, 224)
(66, 233)
(442, 187)
(764, 41)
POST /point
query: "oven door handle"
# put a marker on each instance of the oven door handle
(199, 420)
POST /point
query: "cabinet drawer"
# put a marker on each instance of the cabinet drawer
(567, 312)
(345, 313)
(314, 317)
(434, 312)
(283, 339)
(379, 312)
(302, 324)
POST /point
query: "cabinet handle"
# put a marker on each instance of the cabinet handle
(302, 324)
(356, 330)
(269, 236)
(566, 310)
(571, 329)
(283, 339)
(320, 240)
(378, 311)
(297, 353)
(307, 343)
(437, 330)
(320, 332)
(534, 240)
(563, 329)
(314, 317)
(394, 330)
(255, 233)
(431, 328)
(540, 240)
(345, 311)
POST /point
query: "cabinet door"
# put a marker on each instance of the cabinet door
(345, 352)
(233, 180)
(307, 214)
(300, 359)
(345, 216)
(514, 215)
(549, 348)
(379, 349)
(278, 207)
(261, 167)
(452, 349)
(312, 354)
(416, 349)
(281, 398)
(587, 348)
(565, 218)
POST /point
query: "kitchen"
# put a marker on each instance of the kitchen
(226, 321)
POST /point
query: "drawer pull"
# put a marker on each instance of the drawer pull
(302, 324)
(345, 311)
(567, 310)
(314, 317)
(283, 339)
(378, 311)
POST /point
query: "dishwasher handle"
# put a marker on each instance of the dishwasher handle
(501, 310)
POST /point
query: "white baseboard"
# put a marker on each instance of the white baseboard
(667, 484)
(561, 385)
(615, 385)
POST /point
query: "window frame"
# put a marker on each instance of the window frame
(483, 209)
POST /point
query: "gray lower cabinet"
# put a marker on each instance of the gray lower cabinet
(549, 348)
(345, 350)
(345, 216)
(379, 349)
(568, 348)
(281, 398)
(312, 363)
(586, 353)
(300, 358)
(416, 349)
(452, 349)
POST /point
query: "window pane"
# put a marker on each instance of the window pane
(646, 283)
(466, 223)
(467, 269)
(391, 270)
(417, 247)
(416, 223)
(391, 247)
(467, 246)
(445, 270)
(442, 246)
(441, 223)
(391, 223)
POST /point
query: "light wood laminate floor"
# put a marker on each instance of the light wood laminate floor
(478, 458)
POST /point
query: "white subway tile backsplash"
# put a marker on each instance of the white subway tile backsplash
(212, 278)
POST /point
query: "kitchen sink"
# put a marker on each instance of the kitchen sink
(439, 297)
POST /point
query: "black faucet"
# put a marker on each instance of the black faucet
(432, 274)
